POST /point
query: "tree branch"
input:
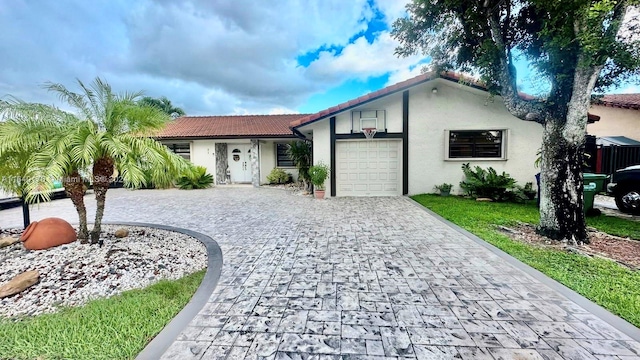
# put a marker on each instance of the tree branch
(529, 110)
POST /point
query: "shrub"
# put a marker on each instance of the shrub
(481, 183)
(443, 187)
(279, 176)
(318, 174)
(300, 153)
(196, 178)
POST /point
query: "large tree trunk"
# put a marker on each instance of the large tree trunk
(561, 197)
(102, 172)
(561, 182)
(74, 186)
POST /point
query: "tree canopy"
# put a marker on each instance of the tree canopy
(163, 104)
(575, 45)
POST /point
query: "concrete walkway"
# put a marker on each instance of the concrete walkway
(364, 277)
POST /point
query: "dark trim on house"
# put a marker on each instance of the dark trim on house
(404, 88)
(368, 101)
(332, 134)
(298, 134)
(227, 137)
(360, 136)
(405, 142)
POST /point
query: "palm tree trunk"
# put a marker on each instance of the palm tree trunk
(102, 172)
(74, 187)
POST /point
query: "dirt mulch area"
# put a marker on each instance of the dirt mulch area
(622, 250)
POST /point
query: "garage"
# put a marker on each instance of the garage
(368, 168)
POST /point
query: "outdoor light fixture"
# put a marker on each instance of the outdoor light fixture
(434, 90)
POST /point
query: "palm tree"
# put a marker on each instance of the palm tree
(108, 133)
(26, 129)
(300, 153)
(112, 134)
(163, 104)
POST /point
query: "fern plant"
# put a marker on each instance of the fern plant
(487, 183)
(196, 178)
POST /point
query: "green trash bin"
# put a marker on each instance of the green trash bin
(589, 195)
(598, 179)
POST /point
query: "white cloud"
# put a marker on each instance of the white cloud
(362, 59)
(209, 57)
(392, 9)
(404, 74)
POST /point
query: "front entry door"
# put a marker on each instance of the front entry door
(240, 163)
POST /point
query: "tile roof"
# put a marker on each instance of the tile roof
(229, 126)
(626, 101)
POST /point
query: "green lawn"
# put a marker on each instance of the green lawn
(114, 328)
(604, 282)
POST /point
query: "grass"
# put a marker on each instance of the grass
(606, 283)
(114, 328)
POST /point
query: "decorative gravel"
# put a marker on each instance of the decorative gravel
(73, 274)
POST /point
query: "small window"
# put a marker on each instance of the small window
(282, 156)
(471, 144)
(183, 149)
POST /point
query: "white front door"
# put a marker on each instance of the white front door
(240, 162)
(368, 168)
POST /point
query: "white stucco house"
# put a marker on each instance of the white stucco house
(427, 127)
(619, 116)
(234, 149)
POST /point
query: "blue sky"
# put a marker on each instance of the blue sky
(208, 57)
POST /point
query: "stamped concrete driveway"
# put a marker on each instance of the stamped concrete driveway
(363, 277)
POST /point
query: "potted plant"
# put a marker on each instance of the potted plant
(318, 174)
(444, 189)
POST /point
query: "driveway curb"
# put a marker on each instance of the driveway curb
(169, 333)
(617, 322)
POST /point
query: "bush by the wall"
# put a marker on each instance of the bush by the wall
(279, 176)
(481, 183)
(197, 178)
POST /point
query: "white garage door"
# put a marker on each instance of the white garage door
(368, 168)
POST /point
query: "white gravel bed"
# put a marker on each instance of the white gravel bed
(73, 274)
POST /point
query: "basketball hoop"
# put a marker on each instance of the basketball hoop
(369, 133)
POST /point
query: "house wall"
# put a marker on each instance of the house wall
(391, 104)
(459, 107)
(321, 146)
(453, 107)
(203, 154)
(615, 122)
(268, 160)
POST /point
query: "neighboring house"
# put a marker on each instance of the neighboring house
(619, 116)
(235, 149)
(427, 127)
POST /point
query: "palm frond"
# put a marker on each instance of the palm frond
(75, 100)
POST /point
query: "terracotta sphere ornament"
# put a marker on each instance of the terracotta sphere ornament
(48, 233)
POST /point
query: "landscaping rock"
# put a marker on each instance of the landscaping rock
(484, 200)
(121, 233)
(19, 283)
(8, 241)
(75, 273)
